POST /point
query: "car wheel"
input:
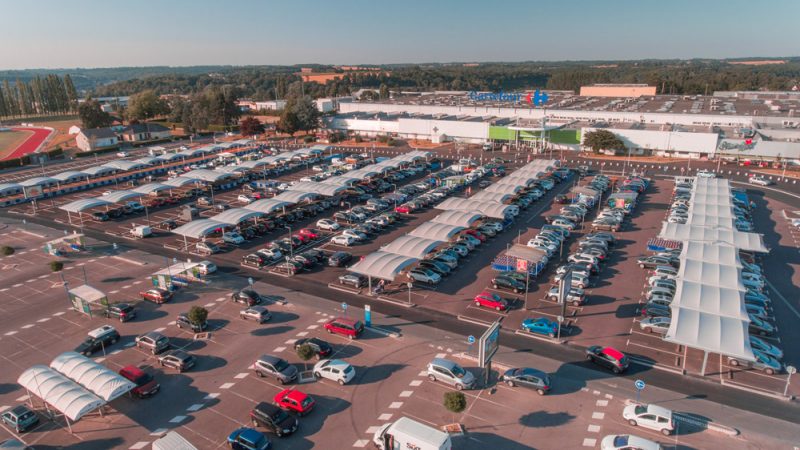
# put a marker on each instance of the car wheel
(540, 391)
(510, 383)
(633, 423)
(553, 298)
(641, 265)
(616, 370)
(576, 303)
(666, 431)
(431, 377)
(317, 375)
(329, 331)
(552, 335)
(588, 357)
(769, 371)
(497, 308)
(341, 382)
(459, 387)
(260, 374)
(494, 286)
(114, 341)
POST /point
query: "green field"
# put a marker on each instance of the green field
(9, 140)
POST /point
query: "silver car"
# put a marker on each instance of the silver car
(658, 325)
(449, 372)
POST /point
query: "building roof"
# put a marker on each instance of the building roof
(96, 378)
(382, 265)
(65, 395)
(98, 133)
(87, 293)
(531, 254)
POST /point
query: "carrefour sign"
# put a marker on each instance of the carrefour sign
(536, 98)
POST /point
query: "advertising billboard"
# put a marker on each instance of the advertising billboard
(488, 344)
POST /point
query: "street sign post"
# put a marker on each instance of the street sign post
(250, 281)
(639, 385)
(410, 285)
(791, 370)
(344, 308)
(560, 321)
(470, 341)
(367, 315)
(564, 286)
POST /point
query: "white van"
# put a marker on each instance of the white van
(406, 433)
(172, 441)
(142, 231)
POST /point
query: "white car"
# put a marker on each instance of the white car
(334, 370)
(761, 181)
(496, 226)
(283, 186)
(347, 241)
(122, 154)
(206, 267)
(272, 254)
(653, 417)
(327, 225)
(357, 236)
(543, 243)
(244, 199)
(706, 174)
(627, 442)
(564, 224)
(232, 238)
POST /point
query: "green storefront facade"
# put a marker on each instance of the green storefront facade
(567, 137)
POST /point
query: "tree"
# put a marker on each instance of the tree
(146, 105)
(92, 115)
(56, 266)
(6, 250)
(305, 352)
(288, 123)
(307, 113)
(383, 92)
(455, 402)
(603, 140)
(197, 315)
(72, 94)
(251, 126)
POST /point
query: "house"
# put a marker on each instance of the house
(96, 139)
(145, 132)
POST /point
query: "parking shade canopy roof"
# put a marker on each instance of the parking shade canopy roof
(152, 187)
(267, 205)
(198, 228)
(750, 242)
(487, 208)
(84, 204)
(436, 231)
(181, 181)
(97, 171)
(711, 273)
(7, 188)
(65, 395)
(295, 196)
(702, 220)
(531, 254)
(119, 196)
(169, 157)
(722, 211)
(207, 175)
(70, 175)
(327, 190)
(505, 188)
(236, 215)
(126, 165)
(710, 253)
(710, 332)
(497, 197)
(38, 181)
(253, 164)
(719, 300)
(413, 246)
(382, 265)
(458, 218)
(147, 160)
(342, 180)
(95, 377)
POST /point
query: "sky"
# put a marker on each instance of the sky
(90, 33)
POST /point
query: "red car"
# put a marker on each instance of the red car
(310, 233)
(156, 295)
(477, 235)
(294, 401)
(403, 209)
(491, 300)
(257, 195)
(345, 326)
(301, 238)
(146, 385)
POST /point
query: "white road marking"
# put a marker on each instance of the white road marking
(239, 376)
(99, 360)
(598, 415)
(441, 355)
(42, 276)
(302, 333)
(17, 285)
(371, 430)
(116, 352)
(221, 299)
(211, 396)
(159, 330)
(24, 398)
(385, 417)
(209, 305)
(135, 283)
(139, 445)
(158, 432)
(596, 392)
(361, 443)
(114, 291)
(424, 373)
(609, 396)
(227, 385)
(322, 320)
(593, 429)
(589, 442)
(279, 349)
(312, 327)
(396, 405)
(25, 327)
(43, 319)
(195, 407)
(60, 313)
(177, 419)
(415, 383)
(172, 323)
(130, 344)
(290, 341)
(406, 394)
(602, 403)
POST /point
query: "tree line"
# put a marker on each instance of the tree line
(48, 95)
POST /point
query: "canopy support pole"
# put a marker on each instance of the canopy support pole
(705, 361)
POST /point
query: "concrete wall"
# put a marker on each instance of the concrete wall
(476, 132)
(617, 91)
(665, 140)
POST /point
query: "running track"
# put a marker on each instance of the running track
(30, 145)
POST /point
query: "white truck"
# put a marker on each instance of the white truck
(408, 434)
(172, 441)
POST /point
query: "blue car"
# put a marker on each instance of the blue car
(541, 325)
(248, 439)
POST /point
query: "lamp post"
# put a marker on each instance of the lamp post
(291, 247)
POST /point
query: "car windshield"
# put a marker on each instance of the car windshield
(459, 372)
(143, 379)
(279, 416)
(281, 365)
(640, 409)
(348, 369)
(306, 401)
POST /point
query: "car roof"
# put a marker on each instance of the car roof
(342, 319)
(294, 394)
(132, 371)
(336, 363)
(659, 410)
(153, 335)
(102, 331)
(531, 371)
(269, 359)
(614, 353)
(266, 408)
(20, 410)
(443, 362)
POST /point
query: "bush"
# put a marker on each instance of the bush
(359, 139)
(6, 250)
(197, 314)
(305, 352)
(308, 139)
(455, 401)
(383, 139)
(56, 266)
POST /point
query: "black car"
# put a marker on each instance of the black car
(177, 359)
(98, 340)
(183, 322)
(99, 216)
(320, 347)
(317, 255)
(651, 309)
(339, 259)
(528, 378)
(254, 260)
(121, 311)
(608, 357)
(274, 419)
(247, 297)
(502, 282)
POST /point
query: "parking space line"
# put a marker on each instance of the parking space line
(361, 443)
(441, 355)
(598, 415)
(239, 376)
(60, 313)
(279, 349)
(43, 319)
(159, 330)
(593, 429)
(371, 430)
(589, 442)
(24, 398)
(424, 373)
(139, 445)
(415, 383)
(158, 432)
(601, 403)
(312, 327)
(290, 341)
(322, 320)
(406, 394)
(177, 419)
(195, 407)
(302, 333)
(396, 405)
(211, 396)
(385, 417)
(209, 305)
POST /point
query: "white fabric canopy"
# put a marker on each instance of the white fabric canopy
(684, 232)
(504, 188)
(235, 216)
(119, 196)
(710, 253)
(719, 300)
(487, 208)
(126, 165)
(181, 181)
(382, 265)
(295, 196)
(198, 228)
(413, 246)
(66, 396)
(710, 332)
(98, 379)
(152, 187)
(70, 175)
(497, 197)
(710, 273)
(436, 231)
(267, 205)
(458, 218)
(84, 204)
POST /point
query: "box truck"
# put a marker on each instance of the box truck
(406, 433)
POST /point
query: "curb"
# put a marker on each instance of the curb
(495, 364)
(539, 338)
(757, 391)
(708, 425)
(384, 332)
(394, 302)
(128, 260)
(473, 321)
(641, 362)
